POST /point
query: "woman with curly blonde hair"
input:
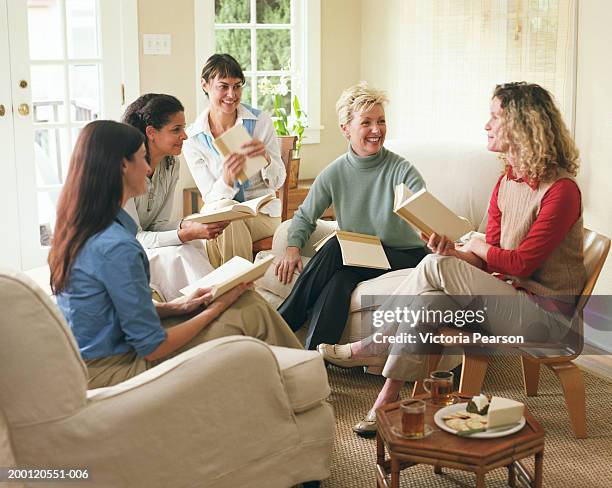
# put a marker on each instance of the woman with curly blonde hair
(533, 245)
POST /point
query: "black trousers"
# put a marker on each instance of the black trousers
(322, 293)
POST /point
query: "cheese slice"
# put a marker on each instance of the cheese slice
(503, 411)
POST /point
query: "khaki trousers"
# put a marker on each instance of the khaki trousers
(238, 237)
(250, 316)
(448, 283)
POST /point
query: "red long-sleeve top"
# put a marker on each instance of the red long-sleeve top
(559, 210)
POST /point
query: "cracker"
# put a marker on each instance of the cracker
(475, 423)
(457, 424)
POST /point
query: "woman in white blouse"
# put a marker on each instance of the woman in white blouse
(216, 177)
(176, 252)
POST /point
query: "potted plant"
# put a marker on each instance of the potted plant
(290, 126)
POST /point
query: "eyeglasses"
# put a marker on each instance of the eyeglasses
(224, 87)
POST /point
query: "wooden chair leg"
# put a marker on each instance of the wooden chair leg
(531, 376)
(572, 382)
(433, 360)
(473, 374)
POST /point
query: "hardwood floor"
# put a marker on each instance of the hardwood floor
(596, 361)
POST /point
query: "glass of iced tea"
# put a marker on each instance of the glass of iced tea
(440, 386)
(413, 418)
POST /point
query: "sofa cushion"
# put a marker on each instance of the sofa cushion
(269, 282)
(304, 377)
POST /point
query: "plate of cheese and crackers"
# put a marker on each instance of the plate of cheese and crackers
(482, 418)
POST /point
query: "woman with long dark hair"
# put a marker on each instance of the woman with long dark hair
(176, 249)
(100, 272)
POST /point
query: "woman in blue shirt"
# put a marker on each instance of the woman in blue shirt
(100, 272)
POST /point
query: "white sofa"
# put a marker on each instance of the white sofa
(461, 175)
(230, 412)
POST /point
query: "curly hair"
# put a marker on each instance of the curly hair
(154, 109)
(534, 132)
(358, 98)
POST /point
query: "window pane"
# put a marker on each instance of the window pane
(48, 93)
(246, 92)
(45, 29)
(82, 28)
(47, 205)
(51, 156)
(273, 11)
(273, 49)
(84, 92)
(236, 42)
(265, 99)
(232, 11)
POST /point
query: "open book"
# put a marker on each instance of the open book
(428, 214)
(231, 141)
(237, 211)
(359, 250)
(233, 273)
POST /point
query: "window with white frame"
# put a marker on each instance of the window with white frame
(277, 42)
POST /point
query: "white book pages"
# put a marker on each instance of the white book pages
(428, 214)
(364, 254)
(238, 211)
(360, 250)
(231, 141)
(236, 271)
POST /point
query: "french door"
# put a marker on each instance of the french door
(62, 68)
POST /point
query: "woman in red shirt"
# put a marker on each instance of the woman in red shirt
(521, 281)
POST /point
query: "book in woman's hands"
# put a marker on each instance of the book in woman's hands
(360, 250)
(428, 214)
(237, 211)
(231, 141)
(229, 275)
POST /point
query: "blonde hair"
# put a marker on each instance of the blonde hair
(534, 132)
(358, 98)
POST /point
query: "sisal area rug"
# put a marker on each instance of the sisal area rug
(568, 462)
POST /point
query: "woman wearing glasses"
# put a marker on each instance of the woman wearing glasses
(216, 177)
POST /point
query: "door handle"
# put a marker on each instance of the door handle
(2, 110)
(24, 109)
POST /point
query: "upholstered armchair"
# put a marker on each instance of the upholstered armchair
(231, 412)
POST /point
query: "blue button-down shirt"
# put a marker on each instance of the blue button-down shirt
(107, 300)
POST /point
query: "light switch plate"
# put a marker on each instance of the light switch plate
(157, 44)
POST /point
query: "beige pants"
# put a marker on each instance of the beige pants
(452, 284)
(238, 237)
(251, 316)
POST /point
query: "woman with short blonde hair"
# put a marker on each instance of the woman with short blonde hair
(358, 98)
(359, 184)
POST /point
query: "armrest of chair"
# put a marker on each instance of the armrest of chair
(210, 410)
(279, 243)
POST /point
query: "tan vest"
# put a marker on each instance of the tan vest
(562, 274)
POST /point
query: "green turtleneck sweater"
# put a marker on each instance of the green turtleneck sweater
(362, 191)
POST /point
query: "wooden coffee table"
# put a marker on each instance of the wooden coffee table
(444, 450)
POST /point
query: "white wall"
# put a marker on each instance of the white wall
(382, 38)
(594, 135)
(171, 74)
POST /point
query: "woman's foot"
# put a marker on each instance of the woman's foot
(388, 394)
(343, 355)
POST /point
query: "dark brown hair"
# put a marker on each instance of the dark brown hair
(222, 66)
(154, 109)
(91, 196)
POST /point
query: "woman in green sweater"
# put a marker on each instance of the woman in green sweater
(360, 185)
